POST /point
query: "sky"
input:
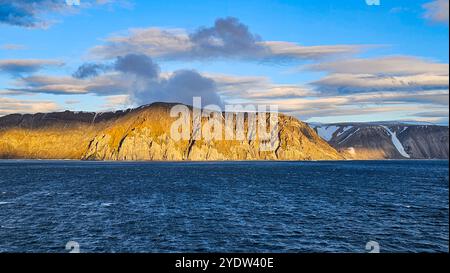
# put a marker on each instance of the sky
(321, 61)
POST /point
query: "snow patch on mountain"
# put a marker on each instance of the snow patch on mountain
(349, 135)
(327, 132)
(345, 129)
(398, 145)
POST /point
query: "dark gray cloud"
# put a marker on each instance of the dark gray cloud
(181, 87)
(88, 70)
(137, 64)
(227, 38)
(149, 86)
(139, 77)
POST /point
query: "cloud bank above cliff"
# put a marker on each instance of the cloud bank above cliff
(228, 38)
(145, 65)
(135, 75)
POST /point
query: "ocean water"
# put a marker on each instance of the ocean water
(224, 207)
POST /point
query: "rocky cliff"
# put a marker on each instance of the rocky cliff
(144, 134)
(387, 140)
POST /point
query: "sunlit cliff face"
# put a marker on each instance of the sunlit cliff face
(144, 134)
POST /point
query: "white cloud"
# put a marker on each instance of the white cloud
(437, 11)
(107, 84)
(12, 47)
(292, 50)
(113, 103)
(11, 106)
(20, 66)
(358, 105)
(153, 42)
(398, 73)
(247, 87)
(358, 83)
(392, 65)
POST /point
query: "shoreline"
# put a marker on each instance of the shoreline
(215, 161)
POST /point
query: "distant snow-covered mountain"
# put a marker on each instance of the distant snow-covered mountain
(387, 140)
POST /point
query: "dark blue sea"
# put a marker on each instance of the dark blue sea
(224, 207)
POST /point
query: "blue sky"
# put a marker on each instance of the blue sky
(400, 49)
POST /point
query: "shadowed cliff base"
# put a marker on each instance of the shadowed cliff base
(144, 134)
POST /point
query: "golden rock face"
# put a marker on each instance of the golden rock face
(144, 134)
